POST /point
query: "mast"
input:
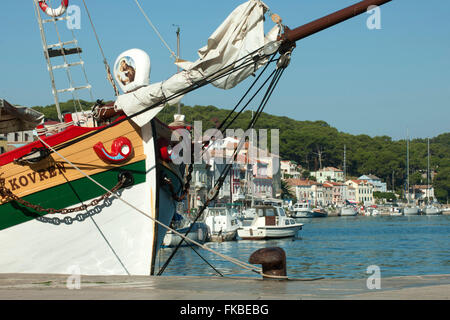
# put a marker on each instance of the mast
(407, 166)
(178, 57)
(393, 182)
(428, 172)
(248, 159)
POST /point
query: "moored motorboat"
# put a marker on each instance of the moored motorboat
(270, 223)
(222, 225)
(302, 210)
(348, 211)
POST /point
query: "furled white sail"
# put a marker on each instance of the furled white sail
(239, 35)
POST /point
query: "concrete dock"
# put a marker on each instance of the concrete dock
(55, 287)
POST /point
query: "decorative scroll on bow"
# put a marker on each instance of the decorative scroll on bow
(121, 151)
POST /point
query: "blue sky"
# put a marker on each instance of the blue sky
(361, 81)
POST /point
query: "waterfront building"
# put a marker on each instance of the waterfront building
(378, 185)
(328, 174)
(327, 191)
(307, 191)
(13, 140)
(254, 173)
(363, 191)
(339, 193)
(199, 186)
(290, 169)
(350, 194)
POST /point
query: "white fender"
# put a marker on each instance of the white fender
(54, 12)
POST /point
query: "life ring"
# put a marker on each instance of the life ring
(54, 12)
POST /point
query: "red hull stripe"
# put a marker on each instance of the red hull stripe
(66, 135)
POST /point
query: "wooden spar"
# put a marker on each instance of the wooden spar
(330, 20)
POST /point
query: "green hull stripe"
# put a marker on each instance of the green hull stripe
(66, 195)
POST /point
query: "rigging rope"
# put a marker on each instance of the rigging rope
(275, 75)
(105, 62)
(230, 259)
(172, 53)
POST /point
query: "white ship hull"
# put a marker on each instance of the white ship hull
(111, 238)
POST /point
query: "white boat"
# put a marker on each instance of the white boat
(431, 210)
(222, 224)
(249, 213)
(348, 211)
(302, 210)
(270, 223)
(372, 211)
(410, 211)
(395, 211)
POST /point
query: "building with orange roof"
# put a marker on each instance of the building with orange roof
(363, 191)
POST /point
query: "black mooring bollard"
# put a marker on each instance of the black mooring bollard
(273, 261)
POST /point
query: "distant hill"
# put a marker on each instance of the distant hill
(302, 141)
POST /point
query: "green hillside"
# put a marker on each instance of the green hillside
(302, 141)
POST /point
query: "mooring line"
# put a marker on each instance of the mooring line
(237, 262)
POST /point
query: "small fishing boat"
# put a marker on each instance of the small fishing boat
(270, 223)
(222, 224)
(348, 211)
(320, 212)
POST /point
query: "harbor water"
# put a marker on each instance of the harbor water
(336, 248)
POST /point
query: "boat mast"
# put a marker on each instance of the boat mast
(178, 58)
(249, 173)
(428, 172)
(407, 166)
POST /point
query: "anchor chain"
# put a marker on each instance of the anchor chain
(8, 194)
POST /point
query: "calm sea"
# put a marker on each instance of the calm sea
(337, 247)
